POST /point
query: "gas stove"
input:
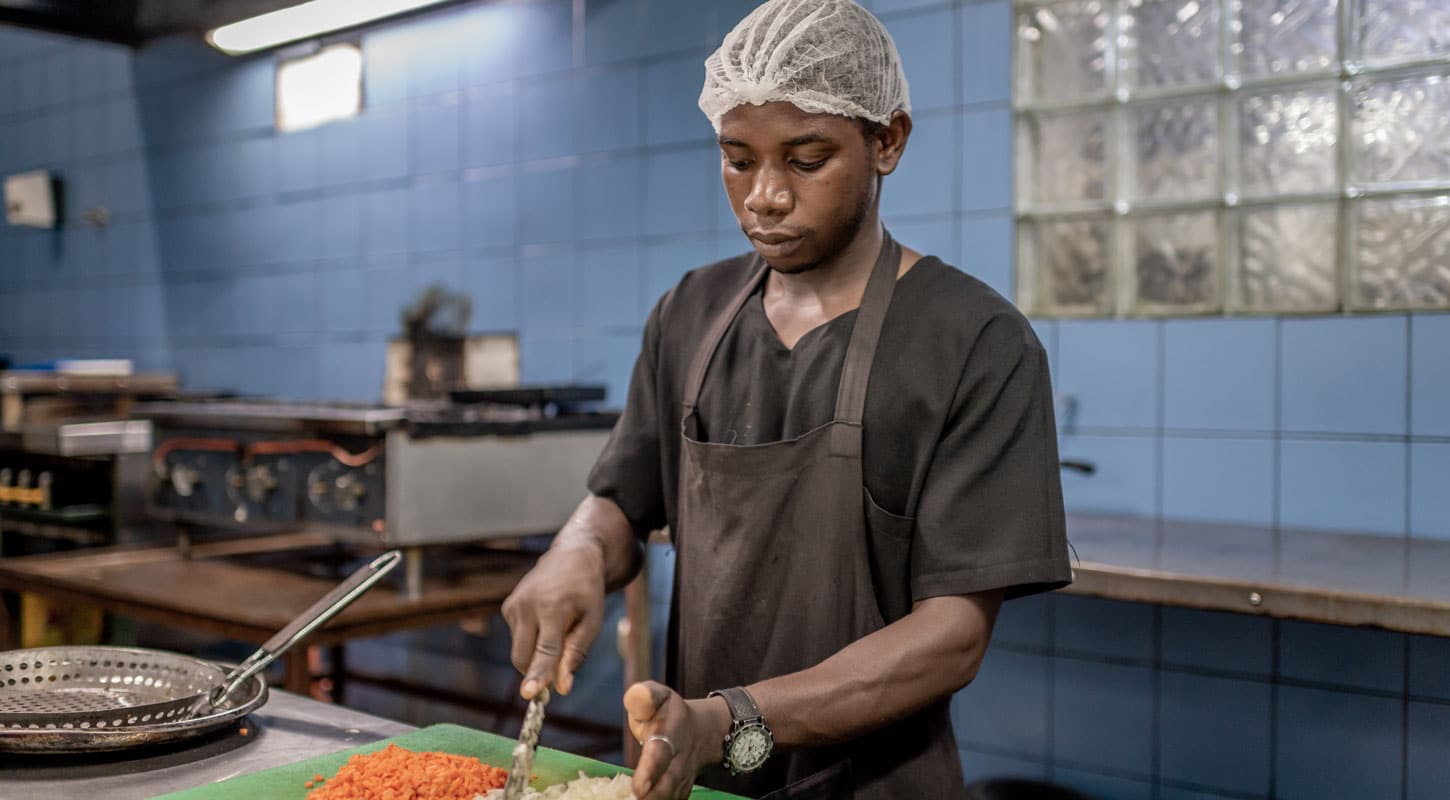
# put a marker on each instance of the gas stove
(479, 465)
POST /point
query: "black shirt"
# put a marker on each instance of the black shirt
(958, 434)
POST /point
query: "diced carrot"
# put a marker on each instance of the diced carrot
(395, 773)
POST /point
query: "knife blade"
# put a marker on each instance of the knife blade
(523, 755)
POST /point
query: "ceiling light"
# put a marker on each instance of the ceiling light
(304, 21)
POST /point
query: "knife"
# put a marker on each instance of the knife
(523, 763)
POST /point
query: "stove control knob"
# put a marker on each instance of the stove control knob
(348, 491)
(260, 483)
(184, 480)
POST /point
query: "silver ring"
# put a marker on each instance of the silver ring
(660, 738)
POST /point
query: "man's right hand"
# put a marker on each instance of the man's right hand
(555, 614)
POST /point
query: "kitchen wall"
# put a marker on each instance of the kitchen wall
(556, 169)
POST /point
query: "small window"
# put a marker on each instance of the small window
(319, 88)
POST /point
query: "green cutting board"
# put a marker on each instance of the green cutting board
(285, 782)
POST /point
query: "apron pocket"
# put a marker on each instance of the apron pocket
(831, 783)
(889, 542)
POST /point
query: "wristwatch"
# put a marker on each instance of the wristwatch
(749, 743)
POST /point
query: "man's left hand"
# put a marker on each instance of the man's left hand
(693, 734)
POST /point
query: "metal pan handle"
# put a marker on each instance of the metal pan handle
(310, 620)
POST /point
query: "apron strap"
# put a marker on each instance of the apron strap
(695, 380)
(861, 352)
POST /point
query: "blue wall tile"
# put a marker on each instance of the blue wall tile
(677, 191)
(543, 36)
(1429, 501)
(607, 286)
(613, 30)
(1219, 374)
(545, 356)
(494, 288)
(355, 369)
(1427, 769)
(434, 138)
(490, 29)
(1005, 709)
(986, 174)
(435, 218)
(547, 288)
(385, 143)
(1023, 621)
(979, 766)
(1173, 793)
(1344, 375)
(986, 251)
(1110, 368)
(923, 181)
(666, 262)
(930, 238)
(1430, 667)
(1336, 744)
(489, 121)
(1348, 486)
(671, 25)
(545, 206)
(986, 52)
(1217, 640)
(1230, 480)
(1215, 732)
(672, 91)
(1104, 786)
(344, 304)
(490, 216)
(340, 231)
(1354, 657)
(1430, 374)
(1104, 628)
(607, 358)
(1102, 716)
(925, 44)
(386, 52)
(1126, 481)
(607, 109)
(435, 44)
(607, 197)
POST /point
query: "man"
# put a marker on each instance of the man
(842, 553)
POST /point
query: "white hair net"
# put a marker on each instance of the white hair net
(823, 56)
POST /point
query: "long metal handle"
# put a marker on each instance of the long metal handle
(310, 620)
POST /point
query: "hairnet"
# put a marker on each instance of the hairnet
(823, 56)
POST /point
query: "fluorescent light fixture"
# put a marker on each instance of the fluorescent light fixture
(304, 21)
(319, 88)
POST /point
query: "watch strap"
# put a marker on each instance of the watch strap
(742, 705)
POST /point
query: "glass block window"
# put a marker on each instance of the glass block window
(1183, 157)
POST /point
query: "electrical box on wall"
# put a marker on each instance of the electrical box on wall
(32, 199)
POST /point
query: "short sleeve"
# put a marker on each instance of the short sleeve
(990, 514)
(628, 470)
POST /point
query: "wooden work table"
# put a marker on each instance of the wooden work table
(230, 590)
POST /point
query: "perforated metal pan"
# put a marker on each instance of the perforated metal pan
(90, 699)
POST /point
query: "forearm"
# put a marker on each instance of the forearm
(600, 526)
(881, 678)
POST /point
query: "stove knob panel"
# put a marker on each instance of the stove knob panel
(260, 482)
(184, 480)
(349, 491)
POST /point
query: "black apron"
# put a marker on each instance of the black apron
(783, 559)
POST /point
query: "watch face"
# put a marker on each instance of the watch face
(750, 747)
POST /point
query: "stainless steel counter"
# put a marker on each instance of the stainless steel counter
(1391, 582)
(288, 728)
